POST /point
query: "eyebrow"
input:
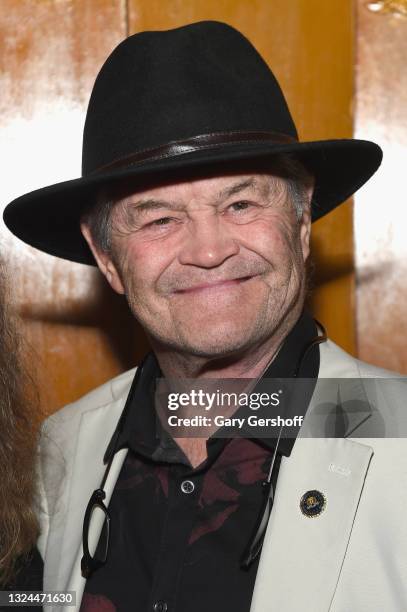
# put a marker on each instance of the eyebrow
(141, 206)
(237, 188)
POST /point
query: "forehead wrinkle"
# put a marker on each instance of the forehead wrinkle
(264, 184)
(136, 207)
(145, 205)
(238, 187)
(130, 208)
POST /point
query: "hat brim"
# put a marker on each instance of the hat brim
(49, 218)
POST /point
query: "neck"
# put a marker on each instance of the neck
(250, 363)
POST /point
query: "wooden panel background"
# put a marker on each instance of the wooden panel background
(51, 51)
(381, 209)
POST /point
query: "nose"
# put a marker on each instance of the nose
(207, 244)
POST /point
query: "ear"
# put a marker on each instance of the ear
(305, 229)
(104, 261)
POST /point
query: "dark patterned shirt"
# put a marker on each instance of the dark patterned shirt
(178, 533)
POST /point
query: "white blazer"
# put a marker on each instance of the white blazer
(350, 558)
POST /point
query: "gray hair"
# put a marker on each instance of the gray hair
(297, 179)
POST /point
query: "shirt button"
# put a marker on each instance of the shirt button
(187, 486)
(160, 606)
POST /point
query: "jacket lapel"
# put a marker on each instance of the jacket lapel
(311, 550)
(95, 428)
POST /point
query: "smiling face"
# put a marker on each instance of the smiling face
(211, 267)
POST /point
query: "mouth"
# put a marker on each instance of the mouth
(216, 285)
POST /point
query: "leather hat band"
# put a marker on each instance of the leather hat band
(196, 143)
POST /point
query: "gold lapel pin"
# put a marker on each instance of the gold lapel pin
(312, 503)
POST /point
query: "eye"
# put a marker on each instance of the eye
(239, 206)
(243, 211)
(162, 221)
(161, 226)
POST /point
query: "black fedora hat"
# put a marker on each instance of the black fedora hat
(180, 99)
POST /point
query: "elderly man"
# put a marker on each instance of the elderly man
(196, 202)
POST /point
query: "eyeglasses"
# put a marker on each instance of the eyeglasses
(91, 562)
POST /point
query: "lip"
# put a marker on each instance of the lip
(215, 285)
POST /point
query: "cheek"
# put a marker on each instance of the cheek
(141, 266)
(274, 240)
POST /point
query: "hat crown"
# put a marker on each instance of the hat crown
(160, 87)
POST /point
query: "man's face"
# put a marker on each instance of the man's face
(211, 266)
